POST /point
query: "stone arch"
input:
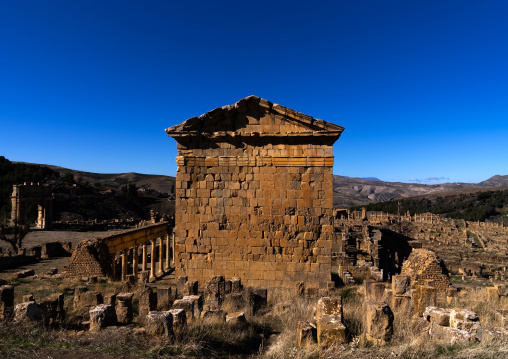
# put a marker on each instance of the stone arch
(34, 193)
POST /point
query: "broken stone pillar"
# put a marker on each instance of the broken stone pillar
(180, 284)
(165, 298)
(147, 301)
(159, 323)
(191, 288)
(101, 316)
(330, 329)
(378, 322)
(87, 299)
(214, 293)
(192, 304)
(236, 285)
(179, 318)
(123, 308)
(54, 306)
(6, 301)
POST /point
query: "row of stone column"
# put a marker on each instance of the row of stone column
(165, 259)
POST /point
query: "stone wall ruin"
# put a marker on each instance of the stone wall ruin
(254, 195)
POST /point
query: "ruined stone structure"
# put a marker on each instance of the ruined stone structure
(423, 266)
(25, 194)
(98, 256)
(254, 195)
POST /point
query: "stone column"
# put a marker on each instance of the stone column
(114, 266)
(161, 256)
(135, 260)
(152, 259)
(125, 252)
(168, 252)
(144, 266)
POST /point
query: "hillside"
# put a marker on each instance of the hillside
(159, 183)
(350, 191)
(477, 205)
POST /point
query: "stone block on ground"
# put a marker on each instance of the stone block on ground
(448, 335)
(159, 323)
(214, 291)
(30, 311)
(101, 316)
(6, 301)
(400, 284)
(374, 291)
(147, 301)
(329, 327)
(329, 306)
(378, 322)
(25, 273)
(165, 298)
(465, 319)
(54, 305)
(192, 304)
(236, 285)
(179, 318)
(123, 308)
(436, 315)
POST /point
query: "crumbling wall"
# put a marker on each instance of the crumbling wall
(90, 258)
(423, 266)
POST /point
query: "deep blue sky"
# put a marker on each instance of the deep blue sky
(420, 86)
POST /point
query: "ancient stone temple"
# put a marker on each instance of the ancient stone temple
(254, 195)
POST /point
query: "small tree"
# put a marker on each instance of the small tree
(13, 235)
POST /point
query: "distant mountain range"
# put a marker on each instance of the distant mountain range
(350, 191)
(347, 191)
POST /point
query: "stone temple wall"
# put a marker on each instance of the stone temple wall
(254, 200)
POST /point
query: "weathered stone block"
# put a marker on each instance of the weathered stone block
(425, 296)
(165, 298)
(123, 308)
(147, 301)
(54, 306)
(448, 335)
(101, 316)
(6, 301)
(465, 319)
(436, 315)
(30, 311)
(329, 306)
(400, 284)
(179, 318)
(378, 322)
(159, 323)
(374, 291)
(330, 331)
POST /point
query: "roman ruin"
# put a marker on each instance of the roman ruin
(254, 195)
(25, 194)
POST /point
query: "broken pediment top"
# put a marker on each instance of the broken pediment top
(253, 114)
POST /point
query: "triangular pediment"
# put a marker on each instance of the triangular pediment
(254, 116)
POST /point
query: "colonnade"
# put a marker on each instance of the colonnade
(156, 238)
